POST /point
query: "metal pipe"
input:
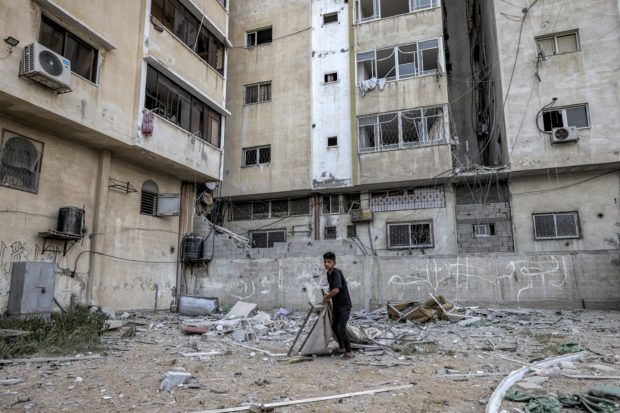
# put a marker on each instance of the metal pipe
(317, 229)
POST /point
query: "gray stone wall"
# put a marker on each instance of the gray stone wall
(497, 214)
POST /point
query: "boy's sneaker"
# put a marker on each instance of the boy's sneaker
(346, 356)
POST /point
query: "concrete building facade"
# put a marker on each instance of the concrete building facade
(136, 119)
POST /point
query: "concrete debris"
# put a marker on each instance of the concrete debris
(113, 324)
(239, 335)
(109, 311)
(241, 310)
(124, 316)
(533, 384)
(197, 306)
(173, 379)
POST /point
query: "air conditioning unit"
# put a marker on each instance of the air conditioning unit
(46, 67)
(361, 215)
(564, 135)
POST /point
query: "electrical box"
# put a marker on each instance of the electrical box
(32, 289)
(361, 215)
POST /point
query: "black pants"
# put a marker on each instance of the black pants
(340, 317)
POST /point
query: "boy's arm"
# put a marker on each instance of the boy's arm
(332, 293)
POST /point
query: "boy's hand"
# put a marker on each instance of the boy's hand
(326, 298)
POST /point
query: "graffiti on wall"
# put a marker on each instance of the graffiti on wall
(21, 251)
(540, 276)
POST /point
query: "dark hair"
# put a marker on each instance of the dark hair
(329, 256)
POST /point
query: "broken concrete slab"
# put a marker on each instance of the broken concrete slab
(469, 321)
(242, 310)
(113, 324)
(239, 335)
(109, 311)
(173, 379)
(533, 384)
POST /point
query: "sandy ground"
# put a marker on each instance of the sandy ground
(129, 377)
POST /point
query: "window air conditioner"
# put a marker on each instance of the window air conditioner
(361, 215)
(46, 67)
(564, 135)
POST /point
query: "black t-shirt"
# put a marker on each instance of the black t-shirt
(336, 280)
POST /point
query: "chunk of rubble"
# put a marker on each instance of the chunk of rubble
(533, 384)
(173, 379)
(242, 310)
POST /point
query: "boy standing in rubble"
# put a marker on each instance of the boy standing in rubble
(339, 294)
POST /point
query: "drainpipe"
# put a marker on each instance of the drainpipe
(185, 216)
(317, 229)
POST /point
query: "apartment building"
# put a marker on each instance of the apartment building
(117, 110)
(423, 126)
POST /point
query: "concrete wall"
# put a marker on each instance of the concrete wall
(552, 280)
(594, 195)
(331, 102)
(285, 122)
(496, 214)
(573, 78)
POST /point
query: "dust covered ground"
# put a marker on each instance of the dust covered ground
(451, 367)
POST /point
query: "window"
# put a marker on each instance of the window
(82, 56)
(256, 156)
(276, 208)
(417, 198)
(332, 141)
(366, 10)
(410, 235)
(349, 202)
(558, 43)
(331, 77)
(20, 162)
(556, 225)
(401, 129)
(170, 101)
(223, 3)
(266, 239)
(400, 62)
(187, 28)
(299, 206)
(330, 18)
(568, 116)
(257, 93)
(330, 233)
(351, 231)
(148, 198)
(484, 230)
(279, 208)
(240, 211)
(331, 204)
(256, 37)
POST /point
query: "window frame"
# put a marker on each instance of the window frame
(575, 215)
(419, 60)
(154, 195)
(267, 232)
(377, 10)
(329, 15)
(330, 228)
(37, 169)
(271, 215)
(489, 231)
(329, 204)
(205, 116)
(58, 27)
(410, 224)
(258, 86)
(352, 231)
(555, 36)
(425, 141)
(255, 33)
(257, 149)
(328, 82)
(334, 145)
(562, 110)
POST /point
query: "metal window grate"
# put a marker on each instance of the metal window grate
(264, 155)
(249, 157)
(330, 233)
(413, 235)
(148, 203)
(241, 210)
(556, 225)
(279, 208)
(251, 94)
(351, 231)
(266, 239)
(265, 93)
(299, 206)
(20, 162)
(260, 209)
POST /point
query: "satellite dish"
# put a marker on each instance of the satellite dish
(212, 186)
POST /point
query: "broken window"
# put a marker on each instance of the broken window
(256, 156)
(279, 208)
(170, 101)
(400, 62)
(576, 116)
(366, 10)
(184, 25)
(299, 206)
(148, 198)
(257, 37)
(257, 93)
(484, 230)
(365, 65)
(558, 43)
(351, 231)
(266, 239)
(260, 209)
(330, 18)
(349, 202)
(410, 235)
(82, 56)
(556, 225)
(401, 129)
(20, 162)
(330, 233)
(332, 141)
(241, 211)
(331, 77)
(367, 131)
(331, 204)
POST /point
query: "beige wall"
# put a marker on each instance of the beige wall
(594, 195)
(285, 122)
(214, 10)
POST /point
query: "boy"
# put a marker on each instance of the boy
(339, 294)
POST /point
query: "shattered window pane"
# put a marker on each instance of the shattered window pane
(365, 65)
(279, 208)
(388, 127)
(421, 235)
(434, 124)
(386, 64)
(412, 125)
(547, 46)
(406, 61)
(365, 9)
(260, 209)
(428, 55)
(350, 201)
(367, 132)
(241, 210)
(552, 119)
